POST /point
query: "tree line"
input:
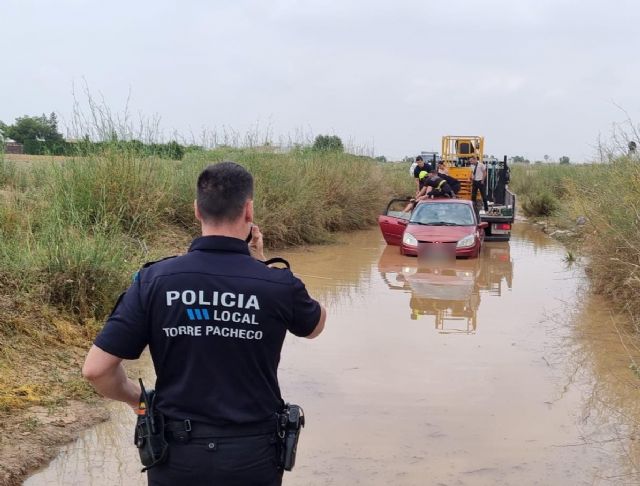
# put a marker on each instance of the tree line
(39, 135)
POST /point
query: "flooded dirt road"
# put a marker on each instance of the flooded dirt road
(495, 371)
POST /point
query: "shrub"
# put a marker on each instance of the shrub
(328, 143)
(83, 273)
(540, 204)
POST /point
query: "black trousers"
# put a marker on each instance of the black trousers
(444, 191)
(227, 461)
(479, 185)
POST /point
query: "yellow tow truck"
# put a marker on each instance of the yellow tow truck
(456, 152)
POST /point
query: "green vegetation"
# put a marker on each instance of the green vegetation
(76, 229)
(541, 187)
(39, 135)
(32, 128)
(519, 159)
(328, 143)
(604, 201)
(73, 231)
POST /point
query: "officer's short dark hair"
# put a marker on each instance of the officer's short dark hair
(222, 191)
(418, 158)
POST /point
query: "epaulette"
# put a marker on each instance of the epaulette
(136, 275)
(148, 264)
(274, 260)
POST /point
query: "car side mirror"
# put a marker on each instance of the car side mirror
(483, 225)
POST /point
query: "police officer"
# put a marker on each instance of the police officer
(215, 320)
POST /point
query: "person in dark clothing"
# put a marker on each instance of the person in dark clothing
(452, 181)
(214, 320)
(432, 186)
(439, 186)
(420, 167)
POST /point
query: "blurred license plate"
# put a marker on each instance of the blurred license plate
(436, 252)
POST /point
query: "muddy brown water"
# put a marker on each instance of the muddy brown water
(496, 371)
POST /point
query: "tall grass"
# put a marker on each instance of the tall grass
(540, 188)
(610, 200)
(607, 196)
(72, 235)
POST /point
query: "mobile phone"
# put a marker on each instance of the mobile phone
(250, 235)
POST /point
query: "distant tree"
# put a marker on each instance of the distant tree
(381, 158)
(519, 159)
(546, 158)
(3, 129)
(328, 143)
(34, 128)
(564, 159)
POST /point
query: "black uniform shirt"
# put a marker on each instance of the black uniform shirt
(215, 321)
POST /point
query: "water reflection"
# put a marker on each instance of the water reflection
(452, 291)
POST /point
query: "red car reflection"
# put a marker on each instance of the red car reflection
(436, 227)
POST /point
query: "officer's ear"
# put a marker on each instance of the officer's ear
(248, 211)
(196, 211)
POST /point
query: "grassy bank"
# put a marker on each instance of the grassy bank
(601, 202)
(72, 231)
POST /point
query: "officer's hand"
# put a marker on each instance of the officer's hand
(257, 243)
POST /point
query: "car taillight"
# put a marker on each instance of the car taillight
(503, 226)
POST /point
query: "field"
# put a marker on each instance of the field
(27, 159)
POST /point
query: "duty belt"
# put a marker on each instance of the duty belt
(184, 430)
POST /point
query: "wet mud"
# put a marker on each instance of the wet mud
(501, 370)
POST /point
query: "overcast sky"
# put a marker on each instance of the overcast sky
(534, 77)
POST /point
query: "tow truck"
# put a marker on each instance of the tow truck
(456, 152)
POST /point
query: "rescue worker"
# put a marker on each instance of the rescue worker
(439, 186)
(432, 186)
(215, 320)
(422, 190)
(479, 182)
(452, 181)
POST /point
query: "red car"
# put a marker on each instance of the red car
(435, 226)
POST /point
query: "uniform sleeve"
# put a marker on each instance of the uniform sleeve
(306, 311)
(125, 333)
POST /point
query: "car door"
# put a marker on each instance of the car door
(394, 221)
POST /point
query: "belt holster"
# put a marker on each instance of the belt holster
(290, 423)
(149, 434)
